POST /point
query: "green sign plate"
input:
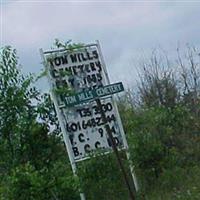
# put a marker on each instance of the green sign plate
(92, 94)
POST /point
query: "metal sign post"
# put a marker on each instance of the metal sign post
(119, 122)
(114, 147)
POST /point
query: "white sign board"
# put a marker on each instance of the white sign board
(77, 71)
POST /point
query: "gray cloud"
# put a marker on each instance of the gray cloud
(125, 29)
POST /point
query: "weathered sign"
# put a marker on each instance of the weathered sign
(82, 72)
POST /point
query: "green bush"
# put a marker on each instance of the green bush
(101, 178)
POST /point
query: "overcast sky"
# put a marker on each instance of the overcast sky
(126, 29)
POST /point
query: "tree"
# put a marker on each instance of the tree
(157, 85)
(163, 127)
(32, 157)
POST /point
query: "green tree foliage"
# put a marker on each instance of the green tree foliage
(101, 178)
(17, 111)
(163, 128)
(33, 164)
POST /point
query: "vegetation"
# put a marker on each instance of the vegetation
(33, 161)
(161, 120)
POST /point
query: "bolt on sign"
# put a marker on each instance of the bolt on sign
(77, 77)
